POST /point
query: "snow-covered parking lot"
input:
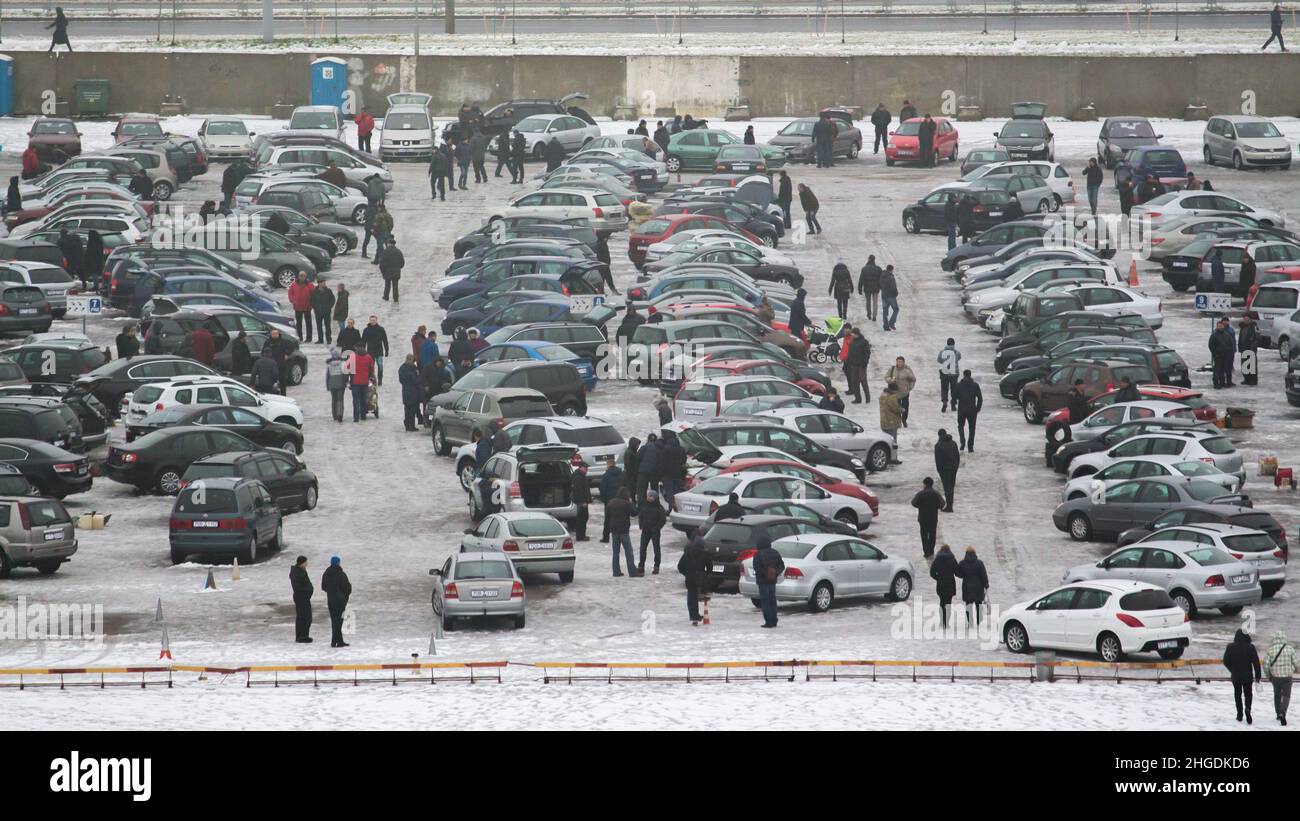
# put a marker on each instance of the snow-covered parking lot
(392, 509)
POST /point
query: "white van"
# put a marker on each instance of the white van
(406, 133)
(324, 120)
(702, 399)
(1276, 301)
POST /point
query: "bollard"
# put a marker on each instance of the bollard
(1044, 670)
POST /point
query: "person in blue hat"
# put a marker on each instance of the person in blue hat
(337, 591)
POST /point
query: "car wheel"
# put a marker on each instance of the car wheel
(674, 164)
(312, 496)
(1109, 648)
(1015, 637)
(1084, 470)
(847, 517)
(466, 473)
(1230, 611)
(539, 152)
(888, 161)
(277, 541)
(162, 191)
(1078, 494)
(1033, 413)
(955, 151)
(440, 444)
(248, 553)
(785, 280)
(169, 481)
(566, 576)
(823, 596)
(1284, 348)
(1209, 156)
(1059, 432)
(910, 225)
(359, 215)
(1184, 600)
(289, 445)
(340, 244)
(1056, 203)
(1236, 161)
(1080, 527)
(520, 621)
(296, 374)
(285, 276)
(1171, 654)
(900, 589)
(448, 624)
(769, 240)
(854, 148)
(1044, 206)
(878, 458)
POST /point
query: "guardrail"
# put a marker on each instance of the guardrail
(144, 676)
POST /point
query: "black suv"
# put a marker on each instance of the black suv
(505, 116)
(704, 439)
(291, 484)
(61, 361)
(44, 420)
(559, 382)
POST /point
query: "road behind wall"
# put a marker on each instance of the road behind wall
(696, 84)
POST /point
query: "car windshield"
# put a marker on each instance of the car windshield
(1251, 543)
(986, 156)
(523, 407)
(909, 129)
(738, 152)
(54, 127)
(1142, 600)
(483, 569)
(1128, 128)
(226, 128)
(792, 550)
(537, 527)
(1259, 129)
(798, 128)
(1023, 129)
(717, 486)
(314, 119)
(140, 129)
(407, 121)
(199, 499)
(1218, 445)
(1197, 469)
(555, 353)
(479, 379)
(1209, 556)
(1205, 491)
(590, 437)
(730, 533)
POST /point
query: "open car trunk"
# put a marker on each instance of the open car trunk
(546, 484)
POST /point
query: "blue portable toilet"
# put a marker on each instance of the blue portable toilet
(329, 81)
(6, 85)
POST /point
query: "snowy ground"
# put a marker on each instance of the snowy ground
(393, 510)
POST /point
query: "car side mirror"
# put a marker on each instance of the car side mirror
(435, 572)
(252, 133)
(1160, 136)
(469, 531)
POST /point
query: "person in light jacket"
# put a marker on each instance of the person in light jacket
(336, 382)
(1280, 662)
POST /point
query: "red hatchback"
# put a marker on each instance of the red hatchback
(759, 367)
(657, 229)
(905, 143)
(1288, 274)
(787, 468)
(1201, 409)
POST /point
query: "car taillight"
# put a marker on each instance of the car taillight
(1238, 555)
(746, 554)
(652, 310)
(254, 200)
(158, 406)
(1279, 554)
(1153, 214)
(179, 524)
(24, 517)
(515, 492)
(979, 209)
(793, 573)
(713, 508)
(450, 592)
(517, 590)
(114, 284)
(73, 291)
(1157, 240)
(65, 467)
(1215, 581)
(233, 524)
(45, 306)
(568, 544)
(1131, 621)
(4, 310)
(128, 457)
(511, 546)
(1207, 460)
(597, 212)
(637, 293)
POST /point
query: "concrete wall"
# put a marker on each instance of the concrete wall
(701, 85)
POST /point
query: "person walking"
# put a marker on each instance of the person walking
(695, 565)
(299, 294)
(768, 569)
(974, 584)
(60, 26)
(336, 382)
(947, 460)
(798, 314)
(1242, 660)
(928, 502)
(650, 520)
(375, 338)
(582, 501)
(1274, 24)
(880, 119)
(391, 262)
(365, 128)
(338, 589)
(1223, 349)
(784, 195)
(618, 517)
(554, 155)
(1281, 665)
(891, 412)
(302, 588)
(408, 376)
(382, 229)
(901, 374)
(925, 141)
(869, 285)
(749, 135)
(363, 376)
(340, 311)
(841, 287)
(1093, 178)
(438, 175)
(1248, 348)
(808, 201)
(949, 359)
(349, 338)
(1126, 195)
(501, 150)
(889, 299)
(478, 146)
(969, 401)
(1076, 402)
(855, 368)
(610, 484)
(464, 157)
(944, 572)
(518, 155)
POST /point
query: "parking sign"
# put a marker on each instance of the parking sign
(85, 306)
(1214, 303)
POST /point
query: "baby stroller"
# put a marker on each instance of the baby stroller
(372, 400)
(824, 345)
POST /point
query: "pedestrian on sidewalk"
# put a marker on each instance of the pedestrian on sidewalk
(969, 400)
(928, 503)
(1274, 24)
(300, 582)
(944, 572)
(322, 305)
(947, 460)
(768, 569)
(974, 584)
(869, 285)
(1242, 660)
(889, 299)
(1281, 665)
(619, 512)
(338, 589)
(650, 520)
(901, 373)
(60, 26)
(408, 376)
(808, 201)
(949, 359)
(695, 564)
(336, 382)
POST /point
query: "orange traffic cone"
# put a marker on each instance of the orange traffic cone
(706, 610)
(1133, 274)
(166, 651)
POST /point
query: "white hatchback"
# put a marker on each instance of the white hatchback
(604, 211)
(227, 138)
(210, 390)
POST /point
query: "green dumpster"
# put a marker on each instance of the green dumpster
(92, 97)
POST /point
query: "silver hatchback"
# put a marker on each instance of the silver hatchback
(478, 584)
(1197, 576)
(822, 567)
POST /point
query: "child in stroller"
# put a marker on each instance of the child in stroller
(824, 345)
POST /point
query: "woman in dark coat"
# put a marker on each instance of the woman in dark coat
(60, 26)
(974, 582)
(14, 198)
(798, 314)
(944, 571)
(841, 288)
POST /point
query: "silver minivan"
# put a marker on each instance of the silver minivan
(34, 533)
(1245, 141)
(407, 132)
(316, 119)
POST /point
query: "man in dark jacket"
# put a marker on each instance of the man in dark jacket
(391, 262)
(231, 178)
(478, 145)
(1077, 403)
(278, 347)
(1128, 392)
(464, 155)
(408, 376)
(337, 592)
(907, 112)
(322, 305)
(880, 119)
(1242, 660)
(582, 499)
(823, 138)
(1217, 271)
(302, 590)
(784, 196)
(554, 155)
(947, 460)
(1275, 26)
(731, 509)
(831, 401)
(841, 287)
(798, 314)
(438, 175)
(672, 466)
(768, 567)
(650, 519)
(950, 220)
(889, 299)
(966, 217)
(241, 358)
(869, 285)
(662, 137)
(928, 503)
(695, 564)
(266, 373)
(855, 366)
(128, 344)
(1223, 349)
(518, 155)
(618, 517)
(375, 338)
(1246, 275)
(925, 138)
(1093, 178)
(501, 150)
(974, 584)
(1248, 347)
(944, 572)
(1126, 196)
(349, 337)
(614, 480)
(369, 231)
(70, 244)
(969, 400)
(647, 467)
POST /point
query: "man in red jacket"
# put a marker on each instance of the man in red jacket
(203, 345)
(363, 373)
(31, 163)
(300, 299)
(365, 127)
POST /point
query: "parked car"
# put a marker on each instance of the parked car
(1026, 135)
(253, 427)
(1140, 467)
(406, 133)
(795, 138)
(697, 149)
(725, 541)
(158, 460)
(478, 584)
(905, 142)
(982, 157)
(1196, 203)
(1255, 548)
(1050, 393)
(535, 542)
(1114, 618)
(837, 431)
(537, 478)
(820, 568)
(211, 390)
(457, 423)
(706, 438)
(293, 487)
(1244, 141)
(1159, 161)
(114, 379)
(557, 381)
(34, 533)
(1120, 134)
(1202, 513)
(51, 469)
(1063, 456)
(227, 138)
(595, 439)
(992, 206)
(1209, 447)
(226, 517)
(1133, 502)
(54, 138)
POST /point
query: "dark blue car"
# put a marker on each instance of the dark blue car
(221, 286)
(540, 352)
(1159, 161)
(469, 315)
(502, 269)
(528, 311)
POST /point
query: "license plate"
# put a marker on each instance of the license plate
(906, 153)
(483, 594)
(686, 508)
(205, 524)
(1178, 265)
(995, 213)
(57, 293)
(540, 545)
(53, 535)
(741, 166)
(1244, 579)
(694, 411)
(26, 311)
(1164, 645)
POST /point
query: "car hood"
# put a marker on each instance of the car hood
(1125, 143)
(791, 139)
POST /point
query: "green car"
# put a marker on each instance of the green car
(697, 149)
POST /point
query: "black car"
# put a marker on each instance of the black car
(725, 540)
(510, 228)
(60, 361)
(303, 227)
(158, 460)
(24, 249)
(94, 417)
(702, 442)
(583, 339)
(1070, 319)
(111, 381)
(254, 428)
(1063, 455)
(1205, 513)
(52, 470)
(167, 333)
(502, 247)
(993, 240)
(991, 207)
(14, 483)
(559, 382)
(1023, 356)
(45, 420)
(291, 484)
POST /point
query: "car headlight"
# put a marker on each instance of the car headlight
(856, 462)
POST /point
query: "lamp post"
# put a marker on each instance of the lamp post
(841, 22)
(679, 23)
(1176, 32)
(986, 17)
(514, 16)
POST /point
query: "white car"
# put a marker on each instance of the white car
(349, 206)
(1195, 203)
(1058, 179)
(1254, 547)
(356, 170)
(129, 226)
(595, 438)
(130, 212)
(53, 281)
(604, 211)
(227, 138)
(1140, 467)
(710, 238)
(1034, 279)
(535, 542)
(1284, 333)
(1103, 419)
(1173, 234)
(1111, 618)
(701, 399)
(1274, 303)
(316, 120)
(1118, 299)
(735, 453)
(629, 142)
(407, 131)
(1211, 448)
(210, 390)
(837, 431)
(823, 567)
(572, 132)
(692, 507)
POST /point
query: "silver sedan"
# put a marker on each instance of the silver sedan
(476, 584)
(535, 542)
(820, 568)
(1196, 576)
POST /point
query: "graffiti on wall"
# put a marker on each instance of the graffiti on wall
(374, 81)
